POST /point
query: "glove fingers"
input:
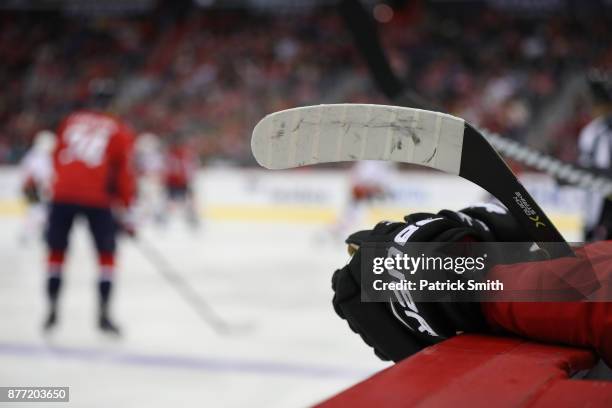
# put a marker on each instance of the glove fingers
(503, 226)
(388, 339)
(372, 321)
(358, 237)
(344, 287)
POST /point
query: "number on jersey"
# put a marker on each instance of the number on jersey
(86, 142)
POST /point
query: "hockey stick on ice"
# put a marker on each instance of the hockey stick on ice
(364, 32)
(186, 291)
(350, 132)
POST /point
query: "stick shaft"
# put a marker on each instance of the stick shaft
(182, 287)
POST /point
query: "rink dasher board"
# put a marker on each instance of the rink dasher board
(317, 196)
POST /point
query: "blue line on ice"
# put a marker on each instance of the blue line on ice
(199, 363)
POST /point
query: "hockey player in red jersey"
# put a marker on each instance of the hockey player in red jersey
(398, 329)
(93, 179)
(179, 166)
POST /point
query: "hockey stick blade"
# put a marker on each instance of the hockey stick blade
(351, 132)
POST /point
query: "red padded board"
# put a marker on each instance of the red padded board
(482, 371)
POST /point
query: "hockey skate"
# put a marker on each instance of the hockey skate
(106, 325)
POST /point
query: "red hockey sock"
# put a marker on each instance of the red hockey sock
(55, 262)
(107, 265)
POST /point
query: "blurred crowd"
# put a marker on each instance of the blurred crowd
(211, 75)
(497, 69)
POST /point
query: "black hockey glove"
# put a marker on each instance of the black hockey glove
(398, 329)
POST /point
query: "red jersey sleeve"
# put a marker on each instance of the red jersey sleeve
(584, 323)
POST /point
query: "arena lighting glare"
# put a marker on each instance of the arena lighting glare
(383, 13)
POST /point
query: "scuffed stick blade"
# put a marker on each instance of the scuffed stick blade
(350, 132)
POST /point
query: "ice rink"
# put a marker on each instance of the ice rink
(263, 259)
(273, 278)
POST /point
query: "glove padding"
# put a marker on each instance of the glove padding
(495, 218)
(372, 321)
(402, 327)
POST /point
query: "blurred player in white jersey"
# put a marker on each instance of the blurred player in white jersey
(36, 173)
(595, 151)
(368, 181)
(149, 163)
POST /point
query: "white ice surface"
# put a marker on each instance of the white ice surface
(276, 277)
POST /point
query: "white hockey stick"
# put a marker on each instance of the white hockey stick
(350, 132)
